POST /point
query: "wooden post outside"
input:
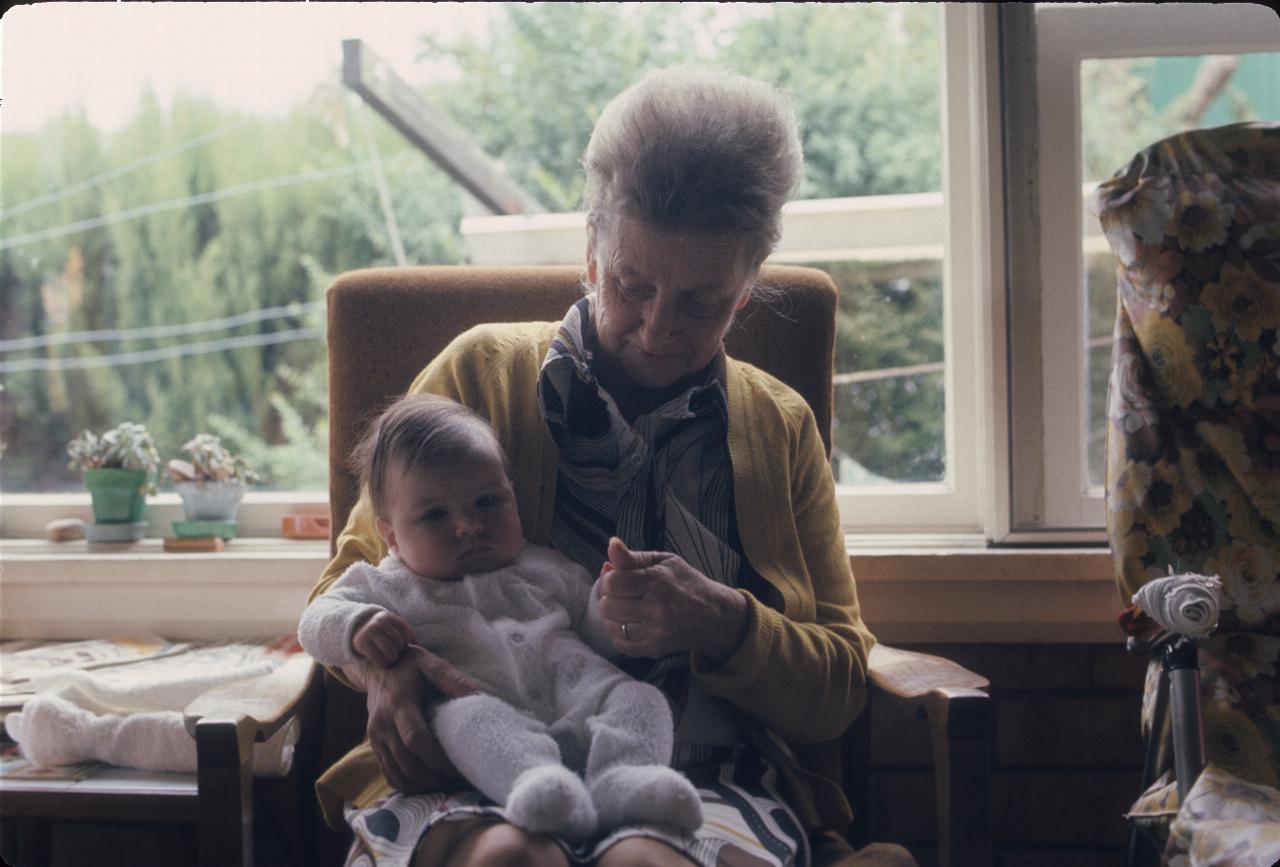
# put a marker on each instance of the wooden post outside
(447, 144)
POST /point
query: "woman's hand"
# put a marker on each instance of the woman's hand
(407, 750)
(655, 604)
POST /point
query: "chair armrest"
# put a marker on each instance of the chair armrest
(952, 698)
(908, 675)
(260, 706)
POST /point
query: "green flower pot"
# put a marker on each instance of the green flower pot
(118, 496)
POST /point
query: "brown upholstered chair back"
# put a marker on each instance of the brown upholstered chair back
(386, 324)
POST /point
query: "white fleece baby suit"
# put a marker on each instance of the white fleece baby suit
(552, 703)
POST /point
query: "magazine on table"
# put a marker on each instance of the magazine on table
(126, 659)
(20, 661)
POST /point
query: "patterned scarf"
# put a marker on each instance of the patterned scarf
(661, 482)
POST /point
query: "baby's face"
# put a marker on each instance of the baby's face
(454, 519)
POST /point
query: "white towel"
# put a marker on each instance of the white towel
(78, 716)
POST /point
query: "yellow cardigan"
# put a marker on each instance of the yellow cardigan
(799, 676)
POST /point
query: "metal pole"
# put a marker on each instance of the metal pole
(1182, 668)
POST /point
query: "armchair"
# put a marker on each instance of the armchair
(384, 325)
(1193, 462)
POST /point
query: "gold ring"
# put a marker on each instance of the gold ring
(625, 637)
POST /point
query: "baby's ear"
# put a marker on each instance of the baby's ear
(386, 531)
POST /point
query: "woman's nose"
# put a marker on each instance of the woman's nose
(661, 322)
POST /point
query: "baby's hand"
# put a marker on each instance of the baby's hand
(382, 637)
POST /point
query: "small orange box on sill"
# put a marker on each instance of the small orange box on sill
(194, 543)
(297, 525)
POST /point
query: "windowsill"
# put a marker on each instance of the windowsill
(241, 550)
(24, 516)
(968, 595)
(910, 593)
(253, 587)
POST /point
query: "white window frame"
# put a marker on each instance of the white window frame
(1051, 497)
(952, 507)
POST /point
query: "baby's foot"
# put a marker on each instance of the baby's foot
(554, 800)
(646, 793)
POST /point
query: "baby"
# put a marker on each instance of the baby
(521, 620)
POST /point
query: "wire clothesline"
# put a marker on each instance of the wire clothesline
(145, 356)
(152, 331)
(94, 181)
(198, 199)
(173, 204)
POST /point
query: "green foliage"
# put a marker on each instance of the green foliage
(263, 249)
(890, 315)
(1117, 118)
(297, 455)
(865, 81)
(530, 92)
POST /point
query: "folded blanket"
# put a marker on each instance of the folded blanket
(81, 715)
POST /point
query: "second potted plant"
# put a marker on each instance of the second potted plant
(212, 483)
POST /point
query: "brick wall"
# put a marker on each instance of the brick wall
(1065, 763)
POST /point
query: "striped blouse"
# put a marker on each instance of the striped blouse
(661, 482)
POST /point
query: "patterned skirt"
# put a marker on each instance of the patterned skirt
(745, 822)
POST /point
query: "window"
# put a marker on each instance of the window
(1109, 80)
(167, 238)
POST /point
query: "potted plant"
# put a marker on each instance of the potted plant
(119, 469)
(212, 483)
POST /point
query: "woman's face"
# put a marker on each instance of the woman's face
(665, 298)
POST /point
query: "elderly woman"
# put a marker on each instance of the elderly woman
(728, 585)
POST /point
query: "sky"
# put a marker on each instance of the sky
(260, 57)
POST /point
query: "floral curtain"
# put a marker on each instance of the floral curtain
(1193, 431)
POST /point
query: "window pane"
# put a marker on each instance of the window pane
(890, 403)
(872, 123)
(1127, 104)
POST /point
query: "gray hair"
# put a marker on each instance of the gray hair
(690, 148)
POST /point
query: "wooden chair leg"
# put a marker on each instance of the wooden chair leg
(962, 777)
(287, 823)
(224, 824)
